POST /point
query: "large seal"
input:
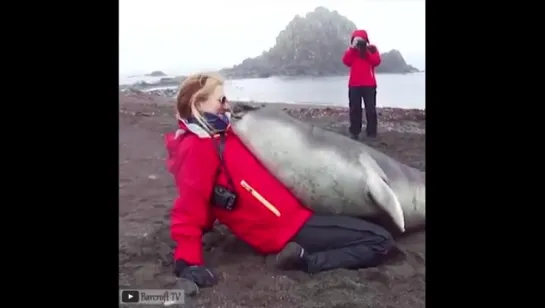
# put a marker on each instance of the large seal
(331, 173)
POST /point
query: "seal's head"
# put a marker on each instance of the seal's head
(201, 97)
(239, 109)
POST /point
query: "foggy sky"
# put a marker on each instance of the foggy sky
(179, 36)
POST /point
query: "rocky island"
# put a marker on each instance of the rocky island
(163, 82)
(156, 74)
(309, 46)
(312, 46)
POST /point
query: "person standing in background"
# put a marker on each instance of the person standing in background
(362, 58)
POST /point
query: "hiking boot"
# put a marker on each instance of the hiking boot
(293, 256)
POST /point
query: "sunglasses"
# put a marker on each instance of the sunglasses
(202, 82)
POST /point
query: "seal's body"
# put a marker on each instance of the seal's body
(331, 173)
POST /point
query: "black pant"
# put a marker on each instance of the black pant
(342, 242)
(369, 96)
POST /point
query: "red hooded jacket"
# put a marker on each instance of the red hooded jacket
(362, 71)
(266, 215)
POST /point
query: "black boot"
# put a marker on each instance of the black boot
(355, 136)
(292, 257)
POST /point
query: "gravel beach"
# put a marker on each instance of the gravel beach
(146, 192)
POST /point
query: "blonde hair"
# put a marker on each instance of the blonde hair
(194, 90)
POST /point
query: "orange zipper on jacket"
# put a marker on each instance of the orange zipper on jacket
(260, 198)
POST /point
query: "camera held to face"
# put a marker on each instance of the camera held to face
(360, 43)
(224, 198)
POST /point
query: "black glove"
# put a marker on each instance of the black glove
(200, 275)
(372, 48)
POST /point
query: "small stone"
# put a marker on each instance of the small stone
(152, 177)
(189, 287)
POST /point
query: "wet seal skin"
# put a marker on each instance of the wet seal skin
(331, 173)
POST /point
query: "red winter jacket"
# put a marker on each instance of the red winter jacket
(362, 71)
(266, 215)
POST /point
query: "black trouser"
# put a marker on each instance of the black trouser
(342, 242)
(369, 96)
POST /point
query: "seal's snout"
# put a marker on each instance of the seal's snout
(236, 116)
(238, 110)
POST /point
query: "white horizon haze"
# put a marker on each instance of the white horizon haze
(180, 37)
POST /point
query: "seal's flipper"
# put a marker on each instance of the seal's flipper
(384, 197)
(381, 192)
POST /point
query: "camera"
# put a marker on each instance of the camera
(361, 45)
(224, 198)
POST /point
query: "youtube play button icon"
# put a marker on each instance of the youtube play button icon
(130, 296)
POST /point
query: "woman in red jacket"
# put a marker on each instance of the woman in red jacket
(218, 178)
(362, 59)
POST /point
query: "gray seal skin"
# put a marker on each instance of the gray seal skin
(331, 173)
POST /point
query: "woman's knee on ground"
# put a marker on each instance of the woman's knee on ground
(383, 241)
(378, 250)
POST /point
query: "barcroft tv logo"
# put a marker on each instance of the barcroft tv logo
(152, 297)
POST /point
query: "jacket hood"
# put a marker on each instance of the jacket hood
(360, 33)
(173, 142)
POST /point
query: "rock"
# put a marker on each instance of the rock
(393, 62)
(168, 81)
(170, 93)
(163, 82)
(311, 46)
(156, 74)
(138, 86)
(189, 287)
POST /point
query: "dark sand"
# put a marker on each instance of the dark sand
(146, 192)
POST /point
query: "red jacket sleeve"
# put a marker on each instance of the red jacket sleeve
(374, 58)
(349, 56)
(192, 212)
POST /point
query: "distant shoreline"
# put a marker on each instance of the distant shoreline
(404, 91)
(174, 81)
(159, 99)
(407, 120)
